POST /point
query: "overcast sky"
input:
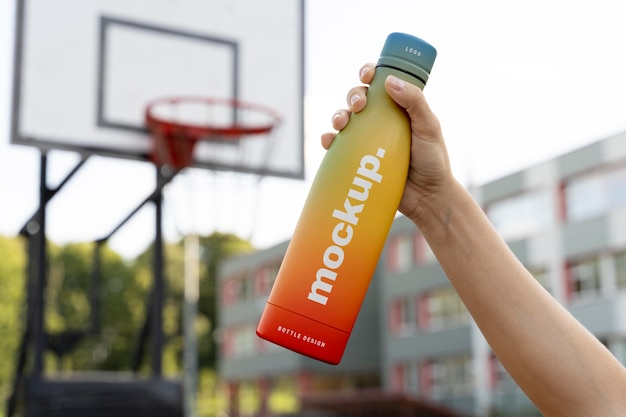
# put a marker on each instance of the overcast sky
(515, 83)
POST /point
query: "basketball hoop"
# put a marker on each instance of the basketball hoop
(177, 124)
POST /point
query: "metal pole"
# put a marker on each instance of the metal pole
(190, 313)
(39, 336)
(159, 282)
(96, 281)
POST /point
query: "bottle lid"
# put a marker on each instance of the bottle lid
(409, 54)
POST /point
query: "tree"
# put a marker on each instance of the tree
(12, 311)
(124, 289)
(107, 344)
(215, 248)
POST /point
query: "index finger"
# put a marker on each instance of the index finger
(366, 74)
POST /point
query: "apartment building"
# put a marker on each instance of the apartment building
(565, 219)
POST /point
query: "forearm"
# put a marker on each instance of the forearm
(549, 354)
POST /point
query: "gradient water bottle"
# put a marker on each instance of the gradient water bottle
(345, 221)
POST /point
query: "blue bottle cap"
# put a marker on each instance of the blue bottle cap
(408, 54)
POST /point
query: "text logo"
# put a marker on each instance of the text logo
(413, 51)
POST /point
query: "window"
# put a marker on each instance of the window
(423, 311)
(585, 197)
(425, 377)
(239, 288)
(620, 270)
(584, 279)
(616, 188)
(595, 193)
(400, 253)
(447, 376)
(400, 317)
(521, 215)
(407, 249)
(228, 292)
(243, 287)
(441, 308)
(401, 377)
(243, 341)
(423, 254)
(264, 279)
(228, 346)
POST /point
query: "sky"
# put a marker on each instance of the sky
(515, 83)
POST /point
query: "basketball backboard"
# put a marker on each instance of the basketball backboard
(85, 71)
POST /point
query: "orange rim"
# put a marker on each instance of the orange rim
(187, 131)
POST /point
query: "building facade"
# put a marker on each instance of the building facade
(565, 220)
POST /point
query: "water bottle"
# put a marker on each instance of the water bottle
(346, 218)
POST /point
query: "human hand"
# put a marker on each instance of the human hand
(429, 170)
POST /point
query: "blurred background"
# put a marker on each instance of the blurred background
(531, 99)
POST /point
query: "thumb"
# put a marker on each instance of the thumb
(411, 98)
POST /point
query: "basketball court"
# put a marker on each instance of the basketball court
(157, 88)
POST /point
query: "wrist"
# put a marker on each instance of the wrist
(435, 209)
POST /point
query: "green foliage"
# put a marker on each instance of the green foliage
(214, 248)
(124, 294)
(67, 302)
(12, 311)
(212, 396)
(68, 306)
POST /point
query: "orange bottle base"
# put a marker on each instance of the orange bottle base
(302, 335)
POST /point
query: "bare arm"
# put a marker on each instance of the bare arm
(562, 367)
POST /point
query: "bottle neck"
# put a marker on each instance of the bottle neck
(420, 79)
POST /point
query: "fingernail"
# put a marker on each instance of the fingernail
(396, 83)
(364, 71)
(354, 99)
(335, 116)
